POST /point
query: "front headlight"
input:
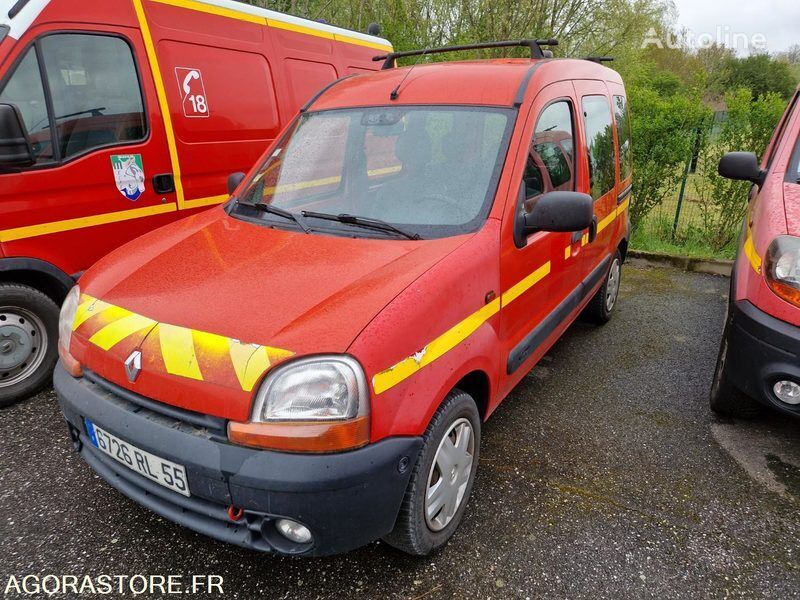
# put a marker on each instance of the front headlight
(66, 319)
(325, 388)
(782, 268)
(67, 316)
(314, 404)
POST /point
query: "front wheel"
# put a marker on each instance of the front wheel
(28, 337)
(441, 482)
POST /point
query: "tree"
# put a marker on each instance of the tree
(761, 74)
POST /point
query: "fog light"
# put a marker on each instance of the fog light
(787, 391)
(294, 531)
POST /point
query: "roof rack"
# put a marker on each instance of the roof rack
(534, 45)
(599, 59)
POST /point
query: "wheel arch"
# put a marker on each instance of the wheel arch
(38, 274)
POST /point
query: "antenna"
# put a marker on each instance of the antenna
(396, 91)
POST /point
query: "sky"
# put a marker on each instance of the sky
(777, 20)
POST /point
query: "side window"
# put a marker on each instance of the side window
(97, 100)
(624, 137)
(600, 144)
(25, 90)
(551, 164)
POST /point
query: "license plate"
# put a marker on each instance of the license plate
(163, 472)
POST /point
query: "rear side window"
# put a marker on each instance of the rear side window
(600, 144)
(550, 164)
(623, 137)
(95, 96)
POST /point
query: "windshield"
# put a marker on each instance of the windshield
(431, 171)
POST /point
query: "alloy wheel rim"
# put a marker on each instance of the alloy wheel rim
(612, 287)
(23, 344)
(449, 475)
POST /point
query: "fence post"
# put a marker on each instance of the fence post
(682, 193)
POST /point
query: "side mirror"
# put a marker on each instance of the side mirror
(555, 211)
(234, 179)
(15, 145)
(741, 166)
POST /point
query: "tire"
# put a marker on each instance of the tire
(725, 398)
(415, 532)
(601, 306)
(28, 342)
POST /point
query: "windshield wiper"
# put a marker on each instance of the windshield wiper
(363, 222)
(274, 210)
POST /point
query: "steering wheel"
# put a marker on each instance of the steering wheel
(447, 202)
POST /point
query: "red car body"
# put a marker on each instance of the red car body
(194, 90)
(761, 342)
(215, 303)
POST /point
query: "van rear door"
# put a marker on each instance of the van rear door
(89, 105)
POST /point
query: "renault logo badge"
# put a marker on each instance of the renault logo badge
(133, 365)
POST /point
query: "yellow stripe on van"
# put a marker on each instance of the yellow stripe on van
(177, 350)
(751, 253)
(523, 286)
(125, 326)
(435, 349)
(161, 92)
(28, 231)
(215, 10)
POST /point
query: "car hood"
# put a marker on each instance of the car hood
(307, 292)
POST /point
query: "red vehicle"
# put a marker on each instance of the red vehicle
(307, 368)
(119, 116)
(759, 358)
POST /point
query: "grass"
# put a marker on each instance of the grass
(655, 232)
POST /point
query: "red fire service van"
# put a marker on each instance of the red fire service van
(759, 359)
(118, 116)
(306, 368)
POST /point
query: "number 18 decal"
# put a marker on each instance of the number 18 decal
(193, 92)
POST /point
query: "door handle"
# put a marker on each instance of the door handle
(593, 229)
(163, 183)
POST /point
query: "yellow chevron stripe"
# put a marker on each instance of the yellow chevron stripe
(435, 349)
(523, 286)
(113, 333)
(177, 350)
(751, 252)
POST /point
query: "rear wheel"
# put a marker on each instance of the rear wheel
(441, 482)
(28, 335)
(601, 306)
(725, 398)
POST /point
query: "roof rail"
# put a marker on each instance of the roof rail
(534, 45)
(599, 59)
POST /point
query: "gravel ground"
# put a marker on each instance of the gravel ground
(603, 475)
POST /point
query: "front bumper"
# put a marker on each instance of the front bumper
(761, 351)
(346, 499)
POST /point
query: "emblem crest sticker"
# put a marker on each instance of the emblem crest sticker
(128, 174)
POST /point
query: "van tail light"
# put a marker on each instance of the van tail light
(782, 270)
(309, 436)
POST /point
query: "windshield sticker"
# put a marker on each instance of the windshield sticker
(128, 175)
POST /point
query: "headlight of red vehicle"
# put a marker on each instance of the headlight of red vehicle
(315, 404)
(65, 322)
(782, 268)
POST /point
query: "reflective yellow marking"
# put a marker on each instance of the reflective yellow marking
(607, 220)
(84, 311)
(256, 365)
(523, 286)
(19, 233)
(277, 23)
(240, 353)
(584, 239)
(215, 10)
(751, 253)
(435, 349)
(623, 205)
(113, 333)
(177, 350)
(568, 252)
(200, 202)
(161, 93)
